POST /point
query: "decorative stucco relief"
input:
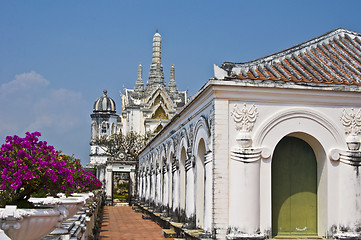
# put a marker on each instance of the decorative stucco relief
(244, 120)
(191, 134)
(352, 123)
(175, 164)
(202, 123)
(190, 163)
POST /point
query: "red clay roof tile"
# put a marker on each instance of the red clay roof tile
(333, 58)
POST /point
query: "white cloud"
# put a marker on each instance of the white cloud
(28, 103)
(24, 81)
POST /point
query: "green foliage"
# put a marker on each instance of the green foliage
(128, 145)
(120, 196)
(22, 203)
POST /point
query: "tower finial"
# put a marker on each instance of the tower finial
(156, 75)
(156, 30)
(139, 84)
(172, 73)
(105, 92)
(172, 84)
(157, 48)
(140, 72)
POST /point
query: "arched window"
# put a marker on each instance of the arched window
(104, 128)
(94, 130)
(201, 151)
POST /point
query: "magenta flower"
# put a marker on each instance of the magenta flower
(28, 165)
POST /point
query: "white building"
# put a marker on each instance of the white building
(149, 108)
(266, 148)
(146, 108)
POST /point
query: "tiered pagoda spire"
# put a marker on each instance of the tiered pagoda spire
(172, 84)
(156, 75)
(139, 84)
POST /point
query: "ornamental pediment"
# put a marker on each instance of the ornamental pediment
(159, 96)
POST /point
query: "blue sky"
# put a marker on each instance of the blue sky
(56, 57)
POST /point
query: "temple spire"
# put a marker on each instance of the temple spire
(139, 84)
(157, 48)
(172, 84)
(156, 75)
(140, 73)
(172, 73)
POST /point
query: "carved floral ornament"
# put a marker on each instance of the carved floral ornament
(352, 123)
(244, 120)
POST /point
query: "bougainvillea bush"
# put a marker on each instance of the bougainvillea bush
(29, 166)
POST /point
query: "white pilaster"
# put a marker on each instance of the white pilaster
(176, 188)
(208, 193)
(349, 195)
(108, 182)
(165, 194)
(244, 194)
(190, 194)
(158, 191)
(153, 187)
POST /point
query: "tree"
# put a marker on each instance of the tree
(120, 146)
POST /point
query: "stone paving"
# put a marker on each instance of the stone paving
(123, 223)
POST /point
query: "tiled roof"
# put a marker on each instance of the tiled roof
(333, 58)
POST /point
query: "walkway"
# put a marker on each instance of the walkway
(123, 223)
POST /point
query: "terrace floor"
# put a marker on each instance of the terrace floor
(122, 222)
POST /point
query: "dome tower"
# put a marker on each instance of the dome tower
(104, 104)
(105, 122)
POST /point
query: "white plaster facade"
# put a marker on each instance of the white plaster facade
(211, 166)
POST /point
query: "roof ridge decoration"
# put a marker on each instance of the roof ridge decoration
(332, 58)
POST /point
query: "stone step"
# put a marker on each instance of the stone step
(169, 233)
(146, 216)
(120, 204)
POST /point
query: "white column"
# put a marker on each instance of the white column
(144, 187)
(140, 189)
(244, 194)
(208, 193)
(176, 188)
(147, 185)
(108, 183)
(165, 191)
(170, 189)
(158, 192)
(139, 186)
(101, 169)
(141, 192)
(132, 186)
(190, 194)
(152, 185)
(349, 195)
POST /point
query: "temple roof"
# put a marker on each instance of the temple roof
(104, 104)
(332, 58)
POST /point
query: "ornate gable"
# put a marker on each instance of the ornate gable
(333, 58)
(159, 97)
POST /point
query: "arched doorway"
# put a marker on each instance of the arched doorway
(121, 183)
(201, 151)
(294, 188)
